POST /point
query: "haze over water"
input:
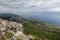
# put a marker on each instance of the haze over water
(50, 17)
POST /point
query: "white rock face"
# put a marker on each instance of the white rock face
(11, 25)
(20, 35)
(3, 22)
(15, 25)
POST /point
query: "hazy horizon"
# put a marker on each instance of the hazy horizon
(31, 8)
(53, 18)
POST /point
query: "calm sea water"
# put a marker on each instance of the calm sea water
(52, 17)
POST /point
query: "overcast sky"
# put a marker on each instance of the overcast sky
(29, 5)
(33, 6)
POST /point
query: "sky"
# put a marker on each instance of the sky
(50, 9)
(21, 6)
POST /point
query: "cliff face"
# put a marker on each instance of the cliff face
(10, 30)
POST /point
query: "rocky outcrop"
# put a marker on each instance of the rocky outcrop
(11, 25)
(12, 31)
(20, 36)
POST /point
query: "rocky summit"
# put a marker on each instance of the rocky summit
(10, 30)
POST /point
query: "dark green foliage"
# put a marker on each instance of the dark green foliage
(29, 29)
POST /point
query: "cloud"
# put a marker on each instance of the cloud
(29, 5)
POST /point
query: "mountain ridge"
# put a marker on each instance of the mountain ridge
(40, 29)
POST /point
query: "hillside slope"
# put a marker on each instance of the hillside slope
(40, 29)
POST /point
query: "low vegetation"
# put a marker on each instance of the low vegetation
(40, 29)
